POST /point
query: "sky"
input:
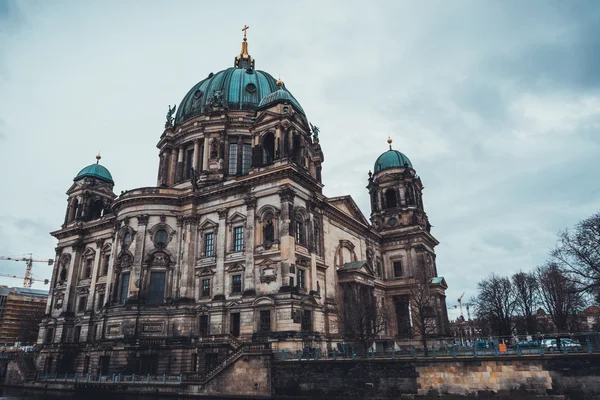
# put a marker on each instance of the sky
(496, 103)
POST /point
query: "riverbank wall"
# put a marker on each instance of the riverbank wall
(573, 376)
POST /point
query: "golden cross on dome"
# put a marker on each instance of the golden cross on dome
(245, 28)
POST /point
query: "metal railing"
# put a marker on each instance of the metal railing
(112, 379)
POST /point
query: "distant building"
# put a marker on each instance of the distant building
(21, 310)
(590, 318)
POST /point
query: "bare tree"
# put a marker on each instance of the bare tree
(360, 315)
(560, 295)
(578, 252)
(495, 303)
(526, 295)
(423, 308)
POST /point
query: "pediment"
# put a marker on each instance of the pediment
(267, 261)
(362, 267)
(348, 206)
(261, 301)
(236, 268)
(208, 224)
(205, 272)
(236, 217)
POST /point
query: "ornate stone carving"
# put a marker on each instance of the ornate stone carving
(83, 290)
(142, 219)
(250, 202)
(180, 220)
(99, 243)
(163, 218)
(79, 246)
(287, 194)
(126, 221)
(268, 274)
(223, 213)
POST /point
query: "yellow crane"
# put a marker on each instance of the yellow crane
(460, 304)
(28, 278)
(44, 281)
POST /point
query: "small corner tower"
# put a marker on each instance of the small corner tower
(396, 193)
(91, 195)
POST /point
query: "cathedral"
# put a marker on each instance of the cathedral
(237, 245)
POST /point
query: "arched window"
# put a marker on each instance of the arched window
(269, 231)
(268, 148)
(297, 152)
(73, 210)
(126, 239)
(161, 237)
(390, 198)
(97, 209)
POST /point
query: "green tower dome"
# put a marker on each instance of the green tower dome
(95, 171)
(391, 159)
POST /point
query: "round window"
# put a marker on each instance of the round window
(251, 87)
(161, 237)
(197, 94)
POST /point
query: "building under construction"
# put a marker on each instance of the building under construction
(21, 310)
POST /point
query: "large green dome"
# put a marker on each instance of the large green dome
(392, 159)
(233, 88)
(95, 171)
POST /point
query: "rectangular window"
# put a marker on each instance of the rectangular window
(211, 360)
(189, 163)
(238, 238)
(291, 281)
(246, 158)
(233, 152)
(49, 335)
(209, 244)
(206, 288)
(77, 333)
(236, 284)
(307, 321)
(81, 305)
(397, 269)
(234, 328)
(100, 301)
(299, 232)
(301, 274)
(156, 288)
(265, 321)
(124, 288)
(106, 263)
(88, 268)
(204, 325)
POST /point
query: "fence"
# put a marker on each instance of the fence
(558, 344)
(113, 379)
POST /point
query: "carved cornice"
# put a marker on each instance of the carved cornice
(142, 219)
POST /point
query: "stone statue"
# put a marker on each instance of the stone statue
(217, 99)
(315, 132)
(170, 118)
(221, 162)
(194, 179)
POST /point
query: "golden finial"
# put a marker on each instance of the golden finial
(245, 43)
(279, 82)
(390, 142)
(98, 157)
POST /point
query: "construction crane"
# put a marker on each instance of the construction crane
(28, 278)
(460, 304)
(44, 281)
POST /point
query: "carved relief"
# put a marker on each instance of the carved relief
(268, 274)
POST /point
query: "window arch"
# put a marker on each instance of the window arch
(268, 145)
(97, 209)
(301, 219)
(390, 198)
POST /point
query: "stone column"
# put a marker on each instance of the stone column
(172, 166)
(196, 154)
(95, 270)
(72, 277)
(206, 155)
(278, 143)
(249, 282)
(218, 285)
(286, 233)
(179, 170)
(190, 231)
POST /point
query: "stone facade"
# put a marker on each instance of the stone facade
(235, 244)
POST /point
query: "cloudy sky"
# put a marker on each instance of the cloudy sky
(496, 103)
